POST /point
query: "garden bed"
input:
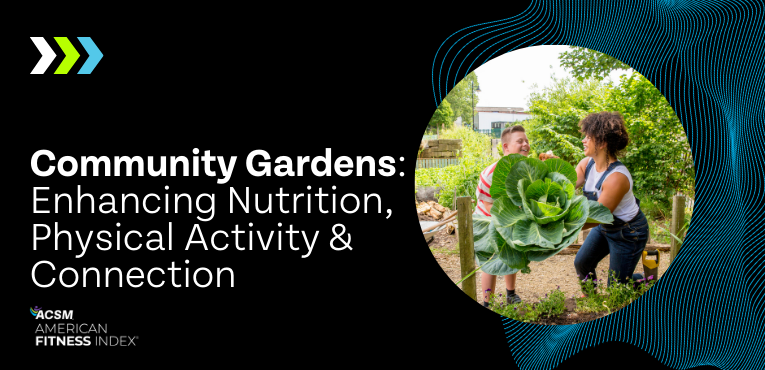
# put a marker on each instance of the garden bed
(570, 316)
(555, 309)
(556, 271)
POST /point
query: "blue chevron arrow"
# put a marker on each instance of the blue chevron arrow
(94, 55)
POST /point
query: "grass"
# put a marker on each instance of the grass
(445, 250)
(662, 236)
(658, 235)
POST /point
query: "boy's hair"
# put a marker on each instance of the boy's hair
(508, 131)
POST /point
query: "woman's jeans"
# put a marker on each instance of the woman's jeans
(624, 241)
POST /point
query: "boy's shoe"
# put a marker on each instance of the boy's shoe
(513, 298)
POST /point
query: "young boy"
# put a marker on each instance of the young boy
(514, 141)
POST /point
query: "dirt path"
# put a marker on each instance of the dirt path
(545, 276)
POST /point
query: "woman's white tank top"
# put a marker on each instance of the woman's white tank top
(627, 208)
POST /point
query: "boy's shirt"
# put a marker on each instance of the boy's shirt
(483, 193)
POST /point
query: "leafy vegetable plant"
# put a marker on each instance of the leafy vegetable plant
(535, 214)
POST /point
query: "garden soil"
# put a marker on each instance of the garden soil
(556, 271)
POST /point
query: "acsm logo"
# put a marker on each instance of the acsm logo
(39, 313)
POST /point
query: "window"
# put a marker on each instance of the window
(499, 124)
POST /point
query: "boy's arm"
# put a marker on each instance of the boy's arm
(488, 205)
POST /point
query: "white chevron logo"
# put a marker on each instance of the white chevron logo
(47, 55)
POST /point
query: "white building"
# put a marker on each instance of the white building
(487, 118)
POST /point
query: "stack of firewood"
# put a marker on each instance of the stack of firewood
(432, 209)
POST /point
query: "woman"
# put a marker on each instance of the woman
(608, 181)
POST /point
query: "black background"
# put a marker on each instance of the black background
(291, 81)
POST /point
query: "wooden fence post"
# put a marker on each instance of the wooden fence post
(678, 219)
(467, 254)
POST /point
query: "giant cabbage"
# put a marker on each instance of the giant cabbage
(535, 214)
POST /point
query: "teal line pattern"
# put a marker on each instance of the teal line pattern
(707, 58)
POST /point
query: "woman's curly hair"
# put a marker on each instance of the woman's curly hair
(606, 127)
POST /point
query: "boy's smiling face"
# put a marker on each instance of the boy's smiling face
(518, 144)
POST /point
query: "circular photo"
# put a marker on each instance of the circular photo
(554, 185)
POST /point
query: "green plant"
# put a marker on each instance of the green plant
(680, 236)
(519, 311)
(474, 145)
(654, 208)
(550, 306)
(612, 297)
(535, 214)
(591, 301)
(553, 304)
(658, 235)
(523, 311)
(619, 294)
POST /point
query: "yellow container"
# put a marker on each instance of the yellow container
(651, 267)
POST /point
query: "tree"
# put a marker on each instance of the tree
(459, 99)
(658, 155)
(442, 116)
(556, 113)
(585, 63)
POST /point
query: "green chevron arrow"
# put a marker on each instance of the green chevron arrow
(71, 55)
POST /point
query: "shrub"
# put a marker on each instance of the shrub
(474, 157)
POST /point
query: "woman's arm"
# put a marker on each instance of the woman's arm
(613, 190)
(580, 172)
